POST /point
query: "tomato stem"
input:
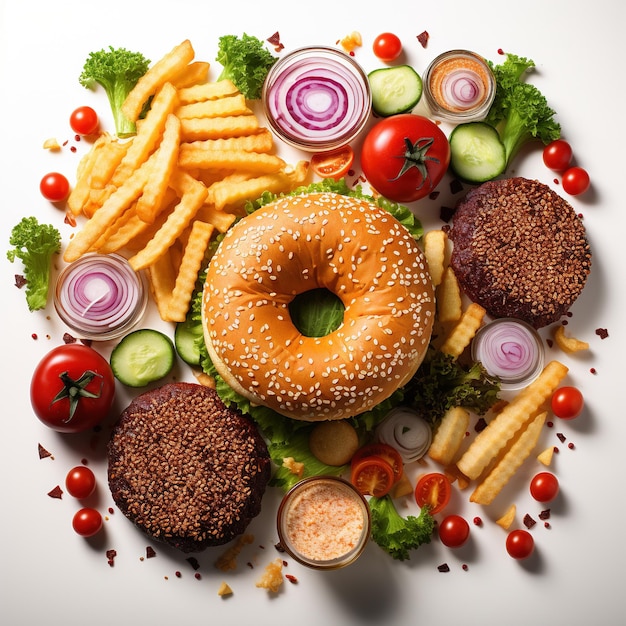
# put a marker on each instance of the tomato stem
(74, 390)
(416, 155)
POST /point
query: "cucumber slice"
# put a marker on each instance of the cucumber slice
(142, 357)
(186, 337)
(476, 152)
(394, 89)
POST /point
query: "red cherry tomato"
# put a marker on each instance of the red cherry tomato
(454, 531)
(72, 388)
(80, 482)
(520, 544)
(387, 47)
(372, 476)
(544, 487)
(84, 121)
(575, 181)
(384, 451)
(54, 187)
(404, 157)
(567, 402)
(334, 164)
(557, 155)
(433, 490)
(87, 522)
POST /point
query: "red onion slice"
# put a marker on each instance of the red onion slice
(511, 350)
(100, 296)
(463, 89)
(317, 98)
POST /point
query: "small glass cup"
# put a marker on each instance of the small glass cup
(100, 297)
(465, 74)
(318, 78)
(324, 522)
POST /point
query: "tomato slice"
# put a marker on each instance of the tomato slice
(384, 451)
(372, 476)
(433, 490)
(334, 164)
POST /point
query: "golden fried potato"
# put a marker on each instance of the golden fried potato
(567, 343)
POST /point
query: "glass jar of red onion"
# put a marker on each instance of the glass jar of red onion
(316, 98)
(459, 86)
(100, 296)
(510, 349)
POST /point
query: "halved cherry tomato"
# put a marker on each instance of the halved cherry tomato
(334, 164)
(372, 476)
(384, 451)
(433, 490)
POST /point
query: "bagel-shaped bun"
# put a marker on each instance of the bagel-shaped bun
(350, 247)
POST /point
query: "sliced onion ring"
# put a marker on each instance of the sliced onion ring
(100, 296)
(511, 350)
(407, 432)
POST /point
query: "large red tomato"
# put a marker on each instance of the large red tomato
(405, 156)
(72, 388)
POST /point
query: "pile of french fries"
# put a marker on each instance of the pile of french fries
(199, 153)
(496, 453)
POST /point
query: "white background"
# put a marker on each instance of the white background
(49, 575)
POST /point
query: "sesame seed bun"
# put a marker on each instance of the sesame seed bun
(520, 250)
(356, 250)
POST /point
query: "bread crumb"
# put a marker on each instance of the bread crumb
(224, 590)
(228, 560)
(545, 457)
(295, 467)
(51, 144)
(272, 578)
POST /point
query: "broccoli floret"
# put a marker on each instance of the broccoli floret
(398, 535)
(246, 62)
(519, 112)
(117, 70)
(35, 244)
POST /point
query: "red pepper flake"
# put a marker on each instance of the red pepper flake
(291, 578)
(111, 554)
(481, 424)
(34, 336)
(111, 510)
(561, 437)
(547, 525)
(20, 281)
(423, 38)
(444, 567)
(550, 424)
(550, 343)
(198, 576)
(73, 149)
(545, 514)
(193, 562)
(150, 552)
(433, 195)
(603, 333)
(465, 567)
(529, 522)
(456, 186)
(279, 547)
(249, 564)
(556, 450)
(501, 51)
(43, 453)
(57, 492)
(478, 521)
(67, 338)
(571, 446)
(592, 370)
(178, 574)
(275, 41)
(446, 213)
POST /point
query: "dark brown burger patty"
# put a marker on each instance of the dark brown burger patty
(186, 469)
(520, 250)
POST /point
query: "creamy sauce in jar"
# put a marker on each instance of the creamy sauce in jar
(324, 522)
(459, 86)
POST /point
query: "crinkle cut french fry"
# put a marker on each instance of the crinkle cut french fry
(162, 278)
(463, 333)
(207, 91)
(256, 142)
(168, 67)
(221, 107)
(188, 270)
(435, 242)
(490, 441)
(148, 134)
(259, 163)
(486, 492)
(199, 128)
(163, 165)
(449, 435)
(195, 73)
(193, 195)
